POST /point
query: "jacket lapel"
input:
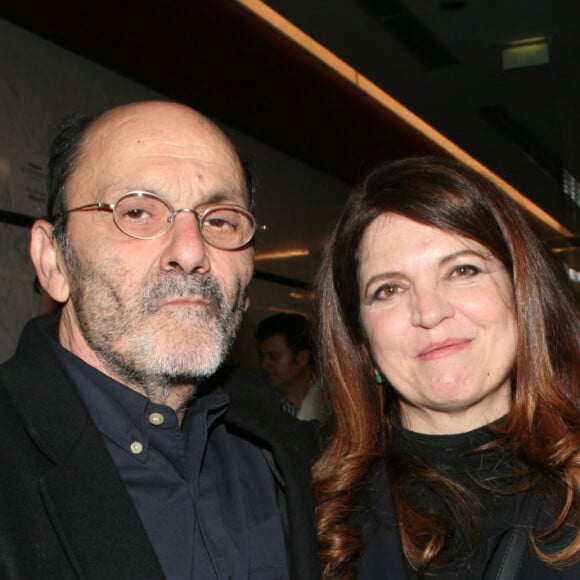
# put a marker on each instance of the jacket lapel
(94, 516)
(89, 507)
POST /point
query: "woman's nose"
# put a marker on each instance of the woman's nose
(430, 307)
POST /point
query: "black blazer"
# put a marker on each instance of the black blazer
(64, 511)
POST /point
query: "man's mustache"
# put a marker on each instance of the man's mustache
(167, 288)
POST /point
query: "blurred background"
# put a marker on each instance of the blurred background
(314, 93)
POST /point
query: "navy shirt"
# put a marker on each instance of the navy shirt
(205, 495)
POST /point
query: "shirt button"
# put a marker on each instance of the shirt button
(136, 447)
(156, 419)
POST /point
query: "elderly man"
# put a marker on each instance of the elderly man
(112, 464)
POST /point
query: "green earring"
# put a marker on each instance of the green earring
(378, 377)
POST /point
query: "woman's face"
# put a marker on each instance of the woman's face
(438, 312)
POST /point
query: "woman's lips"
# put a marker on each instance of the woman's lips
(443, 348)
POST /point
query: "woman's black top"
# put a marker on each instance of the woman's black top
(471, 552)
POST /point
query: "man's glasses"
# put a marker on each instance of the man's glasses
(146, 216)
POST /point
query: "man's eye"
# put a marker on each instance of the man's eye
(136, 214)
(219, 224)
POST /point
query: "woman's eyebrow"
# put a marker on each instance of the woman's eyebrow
(462, 253)
(444, 260)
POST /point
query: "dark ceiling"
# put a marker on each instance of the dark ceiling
(439, 58)
(443, 60)
(220, 58)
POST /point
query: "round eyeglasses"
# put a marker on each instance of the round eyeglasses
(146, 216)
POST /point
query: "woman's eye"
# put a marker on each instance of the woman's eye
(386, 291)
(465, 271)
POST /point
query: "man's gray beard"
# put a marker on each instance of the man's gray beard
(105, 318)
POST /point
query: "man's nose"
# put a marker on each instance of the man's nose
(186, 250)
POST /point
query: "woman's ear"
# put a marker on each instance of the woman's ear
(45, 255)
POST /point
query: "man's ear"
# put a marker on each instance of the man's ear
(45, 255)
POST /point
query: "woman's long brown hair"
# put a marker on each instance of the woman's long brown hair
(542, 429)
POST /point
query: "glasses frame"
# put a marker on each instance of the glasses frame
(201, 217)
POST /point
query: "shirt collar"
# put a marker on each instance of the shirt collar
(124, 415)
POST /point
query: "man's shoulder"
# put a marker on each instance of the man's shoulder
(245, 389)
(255, 408)
(34, 335)
(34, 360)
(32, 382)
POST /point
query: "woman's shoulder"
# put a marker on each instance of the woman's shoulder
(533, 567)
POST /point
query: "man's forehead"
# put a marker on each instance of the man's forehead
(276, 341)
(145, 137)
(176, 131)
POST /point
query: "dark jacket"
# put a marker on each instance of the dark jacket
(64, 511)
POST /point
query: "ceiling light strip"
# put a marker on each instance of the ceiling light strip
(277, 21)
(281, 255)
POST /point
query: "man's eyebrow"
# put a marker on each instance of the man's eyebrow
(225, 196)
(220, 196)
(216, 197)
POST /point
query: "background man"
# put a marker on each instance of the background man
(113, 464)
(286, 355)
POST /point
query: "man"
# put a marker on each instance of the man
(286, 357)
(113, 466)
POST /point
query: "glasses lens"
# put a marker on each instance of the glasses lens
(227, 228)
(142, 216)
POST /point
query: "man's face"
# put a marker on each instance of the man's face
(159, 312)
(281, 366)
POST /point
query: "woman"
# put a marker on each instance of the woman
(449, 349)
